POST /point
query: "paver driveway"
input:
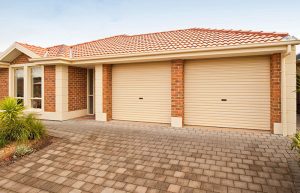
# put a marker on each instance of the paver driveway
(135, 157)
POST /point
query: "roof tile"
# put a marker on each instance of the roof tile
(160, 41)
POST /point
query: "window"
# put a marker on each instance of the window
(36, 87)
(19, 85)
(91, 91)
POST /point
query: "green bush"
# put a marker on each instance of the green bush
(22, 150)
(15, 125)
(296, 142)
(34, 126)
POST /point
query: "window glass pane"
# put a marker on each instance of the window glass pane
(91, 104)
(36, 103)
(19, 83)
(36, 72)
(37, 87)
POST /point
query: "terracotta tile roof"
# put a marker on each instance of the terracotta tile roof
(36, 49)
(161, 41)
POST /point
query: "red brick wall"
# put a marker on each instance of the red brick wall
(49, 86)
(107, 90)
(77, 88)
(275, 77)
(21, 59)
(3, 83)
(177, 88)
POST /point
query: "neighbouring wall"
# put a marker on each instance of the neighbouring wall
(3, 83)
(49, 86)
(77, 88)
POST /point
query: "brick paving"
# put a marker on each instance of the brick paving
(120, 157)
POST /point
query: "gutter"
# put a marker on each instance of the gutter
(283, 46)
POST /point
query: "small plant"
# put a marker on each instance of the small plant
(15, 125)
(34, 126)
(22, 150)
(11, 123)
(296, 142)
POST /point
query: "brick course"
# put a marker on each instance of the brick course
(77, 88)
(21, 59)
(177, 88)
(107, 90)
(3, 83)
(275, 81)
(49, 86)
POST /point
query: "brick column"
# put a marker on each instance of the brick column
(4, 76)
(275, 80)
(107, 90)
(177, 93)
(49, 86)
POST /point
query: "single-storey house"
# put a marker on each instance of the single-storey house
(202, 77)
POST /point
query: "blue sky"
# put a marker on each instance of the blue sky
(51, 22)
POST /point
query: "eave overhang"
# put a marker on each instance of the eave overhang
(226, 51)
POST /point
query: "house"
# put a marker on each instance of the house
(205, 77)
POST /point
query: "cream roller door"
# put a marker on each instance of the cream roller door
(142, 92)
(233, 92)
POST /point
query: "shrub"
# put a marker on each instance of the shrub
(11, 123)
(22, 150)
(296, 142)
(34, 126)
(15, 126)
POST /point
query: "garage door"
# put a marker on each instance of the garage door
(142, 92)
(231, 93)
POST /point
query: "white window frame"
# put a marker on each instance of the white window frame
(30, 88)
(27, 84)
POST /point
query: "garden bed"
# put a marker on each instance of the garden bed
(11, 153)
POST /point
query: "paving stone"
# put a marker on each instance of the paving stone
(117, 157)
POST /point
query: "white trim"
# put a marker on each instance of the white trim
(61, 91)
(288, 94)
(100, 116)
(176, 121)
(25, 64)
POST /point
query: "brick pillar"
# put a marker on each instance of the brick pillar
(275, 80)
(107, 91)
(49, 86)
(177, 93)
(4, 76)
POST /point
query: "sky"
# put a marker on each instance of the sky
(52, 22)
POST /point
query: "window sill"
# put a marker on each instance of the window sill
(32, 110)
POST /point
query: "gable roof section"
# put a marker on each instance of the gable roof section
(157, 42)
(17, 49)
